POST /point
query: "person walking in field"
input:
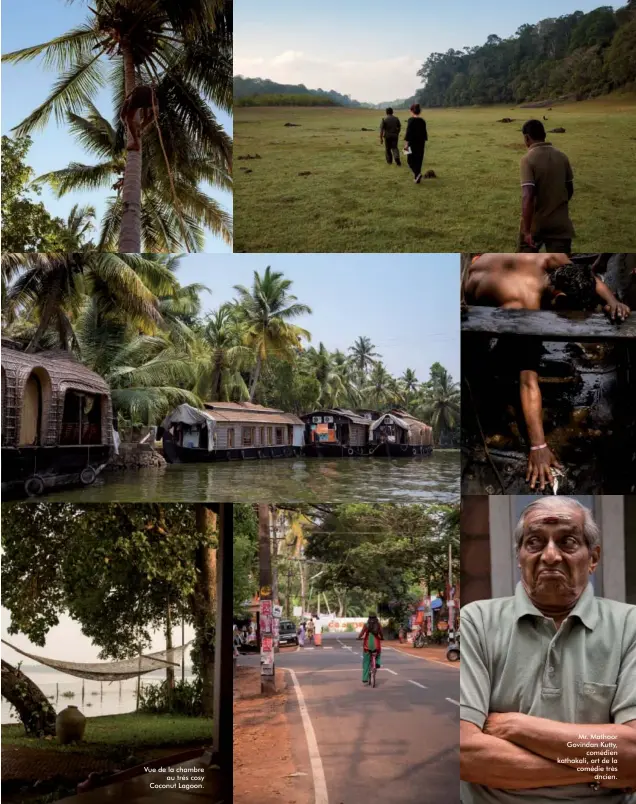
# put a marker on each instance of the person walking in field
(389, 134)
(547, 185)
(415, 141)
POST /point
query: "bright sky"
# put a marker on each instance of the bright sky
(369, 49)
(27, 84)
(408, 304)
(67, 642)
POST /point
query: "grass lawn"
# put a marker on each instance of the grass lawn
(116, 735)
(353, 201)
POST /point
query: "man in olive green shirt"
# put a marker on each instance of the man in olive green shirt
(547, 184)
(548, 679)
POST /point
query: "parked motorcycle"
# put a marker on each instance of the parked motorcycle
(452, 651)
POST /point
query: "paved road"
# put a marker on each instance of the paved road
(397, 743)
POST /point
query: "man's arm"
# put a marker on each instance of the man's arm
(541, 460)
(554, 740)
(613, 307)
(570, 188)
(493, 762)
(382, 128)
(527, 212)
(569, 180)
(362, 633)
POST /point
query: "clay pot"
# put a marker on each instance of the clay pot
(70, 725)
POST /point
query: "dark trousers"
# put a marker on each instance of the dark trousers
(553, 245)
(415, 159)
(391, 150)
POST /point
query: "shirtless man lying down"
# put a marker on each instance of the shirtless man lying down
(536, 282)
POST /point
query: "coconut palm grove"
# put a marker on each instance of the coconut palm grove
(129, 319)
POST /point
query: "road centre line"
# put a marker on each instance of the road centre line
(417, 684)
(452, 700)
(328, 670)
(425, 659)
(388, 669)
(317, 770)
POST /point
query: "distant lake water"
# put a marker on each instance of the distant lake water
(416, 480)
(107, 698)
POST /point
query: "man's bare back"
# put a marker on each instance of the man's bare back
(513, 281)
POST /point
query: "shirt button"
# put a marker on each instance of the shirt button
(551, 670)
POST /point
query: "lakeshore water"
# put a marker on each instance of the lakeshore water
(432, 479)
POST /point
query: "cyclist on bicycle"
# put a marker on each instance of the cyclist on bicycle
(373, 636)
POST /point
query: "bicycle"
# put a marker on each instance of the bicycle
(373, 668)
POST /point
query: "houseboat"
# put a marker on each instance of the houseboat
(56, 421)
(400, 435)
(230, 431)
(335, 433)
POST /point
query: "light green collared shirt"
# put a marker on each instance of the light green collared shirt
(515, 660)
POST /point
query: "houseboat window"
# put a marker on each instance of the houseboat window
(269, 436)
(248, 436)
(81, 419)
(230, 437)
(262, 436)
(290, 435)
(279, 435)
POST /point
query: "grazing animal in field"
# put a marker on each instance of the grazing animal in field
(506, 120)
(367, 129)
(141, 100)
(544, 117)
(558, 130)
(305, 173)
(430, 174)
(292, 125)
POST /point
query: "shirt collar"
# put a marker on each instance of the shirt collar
(586, 608)
(539, 144)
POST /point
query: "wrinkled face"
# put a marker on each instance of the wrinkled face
(554, 558)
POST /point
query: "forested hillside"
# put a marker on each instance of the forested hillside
(580, 55)
(251, 87)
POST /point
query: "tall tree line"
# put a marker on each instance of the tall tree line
(580, 55)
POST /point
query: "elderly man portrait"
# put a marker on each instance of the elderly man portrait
(547, 670)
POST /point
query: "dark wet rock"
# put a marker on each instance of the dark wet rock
(135, 456)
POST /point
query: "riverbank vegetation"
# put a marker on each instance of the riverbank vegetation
(128, 318)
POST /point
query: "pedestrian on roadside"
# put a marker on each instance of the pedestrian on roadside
(415, 141)
(310, 631)
(301, 634)
(318, 633)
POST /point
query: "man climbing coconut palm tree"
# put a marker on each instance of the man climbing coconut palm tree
(178, 48)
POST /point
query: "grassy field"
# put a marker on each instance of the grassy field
(120, 735)
(353, 201)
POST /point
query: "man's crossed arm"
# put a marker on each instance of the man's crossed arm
(517, 752)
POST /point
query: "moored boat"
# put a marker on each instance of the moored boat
(56, 421)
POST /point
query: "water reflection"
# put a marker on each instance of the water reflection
(434, 479)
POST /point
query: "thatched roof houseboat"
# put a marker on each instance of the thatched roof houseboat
(230, 431)
(399, 434)
(333, 432)
(56, 420)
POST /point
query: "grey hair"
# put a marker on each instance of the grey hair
(591, 530)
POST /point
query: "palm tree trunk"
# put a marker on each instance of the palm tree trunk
(255, 376)
(130, 232)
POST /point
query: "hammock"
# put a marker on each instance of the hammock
(112, 671)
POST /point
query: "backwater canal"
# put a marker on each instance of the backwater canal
(416, 480)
